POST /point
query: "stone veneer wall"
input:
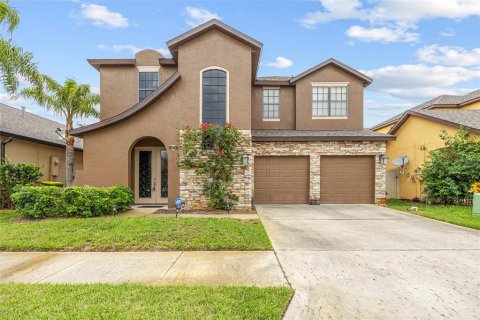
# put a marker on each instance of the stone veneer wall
(316, 149)
(242, 186)
(191, 183)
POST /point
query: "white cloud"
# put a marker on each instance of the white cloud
(398, 11)
(12, 101)
(454, 56)
(100, 16)
(419, 81)
(128, 47)
(382, 34)
(280, 63)
(393, 14)
(198, 16)
(376, 105)
(448, 32)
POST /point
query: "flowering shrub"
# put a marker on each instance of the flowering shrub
(212, 150)
(475, 188)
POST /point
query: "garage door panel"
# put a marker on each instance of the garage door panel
(284, 180)
(347, 179)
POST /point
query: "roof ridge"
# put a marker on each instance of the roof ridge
(31, 113)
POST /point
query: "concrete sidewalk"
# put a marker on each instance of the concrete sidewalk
(258, 268)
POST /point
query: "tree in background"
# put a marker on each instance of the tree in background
(450, 171)
(15, 63)
(70, 100)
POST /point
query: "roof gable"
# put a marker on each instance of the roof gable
(437, 102)
(213, 24)
(454, 118)
(366, 80)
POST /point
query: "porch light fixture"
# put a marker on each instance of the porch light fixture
(245, 160)
(172, 147)
(382, 159)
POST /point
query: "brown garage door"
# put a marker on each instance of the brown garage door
(281, 180)
(347, 179)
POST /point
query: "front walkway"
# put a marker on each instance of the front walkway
(369, 262)
(258, 268)
(150, 212)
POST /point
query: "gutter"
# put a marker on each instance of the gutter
(2, 151)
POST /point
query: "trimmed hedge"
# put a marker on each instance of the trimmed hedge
(13, 175)
(50, 202)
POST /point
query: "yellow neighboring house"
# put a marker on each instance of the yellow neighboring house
(417, 131)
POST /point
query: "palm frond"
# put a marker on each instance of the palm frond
(8, 16)
(16, 63)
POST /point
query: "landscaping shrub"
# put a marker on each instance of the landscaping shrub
(44, 202)
(122, 197)
(38, 202)
(13, 174)
(87, 202)
(450, 171)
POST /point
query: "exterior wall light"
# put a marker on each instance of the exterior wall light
(245, 160)
(382, 159)
(172, 147)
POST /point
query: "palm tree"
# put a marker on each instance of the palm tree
(15, 63)
(70, 100)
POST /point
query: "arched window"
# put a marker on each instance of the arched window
(214, 96)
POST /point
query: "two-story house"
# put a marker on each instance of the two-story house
(307, 141)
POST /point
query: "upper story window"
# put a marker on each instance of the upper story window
(147, 83)
(214, 96)
(329, 101)
(271, 103)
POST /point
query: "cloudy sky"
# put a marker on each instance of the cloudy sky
(414, 49)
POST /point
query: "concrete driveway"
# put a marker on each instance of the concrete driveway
(369, 262)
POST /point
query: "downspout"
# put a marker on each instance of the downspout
(2, 151)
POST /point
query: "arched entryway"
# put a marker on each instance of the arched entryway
(149, 171)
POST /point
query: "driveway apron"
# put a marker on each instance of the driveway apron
(370, 262)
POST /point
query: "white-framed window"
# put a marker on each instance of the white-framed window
(147, 83)
(329, 100)
(271, 103)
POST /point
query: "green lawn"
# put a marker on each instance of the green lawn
(131, 234)
(459, 215)
(127, 301)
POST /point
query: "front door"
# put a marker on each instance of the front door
(150, 175)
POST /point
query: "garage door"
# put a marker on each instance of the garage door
(281, 180)
(347, 179)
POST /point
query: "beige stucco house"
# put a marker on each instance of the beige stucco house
(306, 143)
(26, 137)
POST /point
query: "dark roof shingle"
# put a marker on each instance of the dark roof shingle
(319, 135)
(446, 100)
(17, 123)
(466, 118)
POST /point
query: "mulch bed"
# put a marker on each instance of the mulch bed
(172, 211)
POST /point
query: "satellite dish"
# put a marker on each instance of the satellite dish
(400, 161)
